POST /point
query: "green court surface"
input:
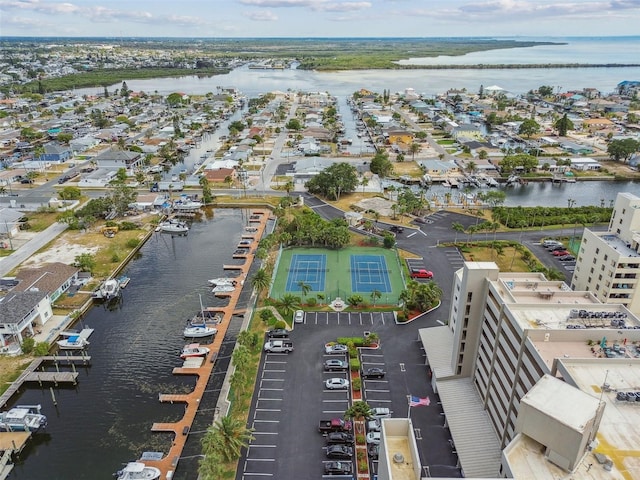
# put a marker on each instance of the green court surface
(339, 273)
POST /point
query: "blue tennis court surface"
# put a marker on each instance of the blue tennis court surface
(369, 273)
(308, 269)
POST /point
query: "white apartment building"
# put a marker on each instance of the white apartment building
(528, 372)
(608, 263)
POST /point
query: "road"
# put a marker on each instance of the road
(7, 264)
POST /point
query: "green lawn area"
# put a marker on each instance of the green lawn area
(510, 259)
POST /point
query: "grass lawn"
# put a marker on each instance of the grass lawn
(409, 168)
(506, 262)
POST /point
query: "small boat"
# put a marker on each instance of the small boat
(223, 281)
(223, 288)
(174, 226)
(124, 281)
(109, 290)
(186, 204)
(199, 331)
(193, 350)
(137, 471)
(23, 418)
(73, 342)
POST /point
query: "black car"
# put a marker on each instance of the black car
(278, 333)
(339, 451)
(567, 258)
(338, 468)
(64, 179)
(335, 364)
(339, 437)
(396, 229)
(374, 451)
(557, 248)
(373, 373)
(26, 180)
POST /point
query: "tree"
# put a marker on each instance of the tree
(622, 149)
(121, 197)
(471, 166)
(288, 186)
(359, 410)
(381, 165)
(413, 149)
(545, 90)
(85, 262)
(563, 125)
(529, 127)
(207, 196)
(458, 228)
(305, 288)
(260, 280)
(70, 193)
(333, 181)
(226, 438)
(294, 124)
(375, 295)
(288, 303)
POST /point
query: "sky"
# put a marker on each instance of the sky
(318, 18)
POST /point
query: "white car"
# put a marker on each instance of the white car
(373, 438)
(379, 412)
(334, 349)
(298, 317)
(336, 383)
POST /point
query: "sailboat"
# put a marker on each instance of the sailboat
(199, 330)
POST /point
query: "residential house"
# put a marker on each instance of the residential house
(585, 164)
(9, 224)
(467, 131)
(56, 153)
(83, 144)
(439, 168)
(20, 315)
(595, 124)
(220, 175)
(29, 203)
(398, 136)
(52, 278)
(116, 159)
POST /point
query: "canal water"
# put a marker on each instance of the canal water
(106, 420)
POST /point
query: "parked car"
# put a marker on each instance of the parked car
(339, 451)
(373, 372)
(26, 181)
(374, 438)
(567, 258)
(278, 333)
(421, 273)
(336, 383)
(551, 243)
(379, 412)
(335, 364)
(374, 425)
(557, 247)
(339, 437)
(396, 229)
(298, 317)
(338, 468)
(335, 349)
(374, 451)
(560, 253)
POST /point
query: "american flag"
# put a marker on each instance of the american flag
(417, 401)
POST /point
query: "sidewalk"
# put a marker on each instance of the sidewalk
(7, 264)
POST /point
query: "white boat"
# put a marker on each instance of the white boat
(124, 281)
(23, 418)
(223, 281)
(199, 331)
(73, 342)
(109, 290)
(193, 350)
(223, 288)
(173, 226)
(187, 204)
(137, 471)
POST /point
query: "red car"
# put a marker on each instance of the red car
(561, 253)
(421, 273)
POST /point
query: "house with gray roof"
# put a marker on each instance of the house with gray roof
(9, 225)
(116, 159)
(56, 153)
(54, 278)
(20, 315)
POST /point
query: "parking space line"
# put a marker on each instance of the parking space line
(376, 400)
(263, 446)
(269, 399)
(264, 433)
(271, 389)
(257, 420)
(261, 459)
(256, 474)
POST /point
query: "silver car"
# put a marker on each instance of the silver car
(336, 383)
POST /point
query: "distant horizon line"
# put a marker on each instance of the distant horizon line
(466, 37)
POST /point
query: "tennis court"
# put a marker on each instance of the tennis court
(369, 273)
(307, 269)
(327, 274)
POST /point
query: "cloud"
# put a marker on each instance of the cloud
(315, 5)
(263, 16)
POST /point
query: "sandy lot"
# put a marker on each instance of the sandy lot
(62, 250)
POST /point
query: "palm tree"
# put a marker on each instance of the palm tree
(288, 303)
(226, 438)
(458, 228)
(305, 288)
(471, 167)
(375, 294)
(260, 280)
(288, 186)
(359, 410)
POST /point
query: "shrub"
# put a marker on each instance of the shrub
(115, 258)
(357, 384)
(28, 345)
(312, 301)
(41, 349)
(266, 315)
(401, 317)
(361, 455)
(280, 324)
(351, 341)
(110, 223)
(128, 226)
(354, 364)
(133, 242)
(363, 465)
(360, 438)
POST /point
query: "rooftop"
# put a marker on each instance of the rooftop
(615, 242)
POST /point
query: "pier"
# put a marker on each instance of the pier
(203, 371)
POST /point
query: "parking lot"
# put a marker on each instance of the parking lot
(291, 396)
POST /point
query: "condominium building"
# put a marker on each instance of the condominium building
(608, 263)
(531, 376)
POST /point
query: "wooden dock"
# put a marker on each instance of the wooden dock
(181, 428)
(14, 441)
(52, 377)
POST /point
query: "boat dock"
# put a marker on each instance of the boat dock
(10, 443)
(205, 366)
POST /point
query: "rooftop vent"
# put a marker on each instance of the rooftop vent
(398, 458)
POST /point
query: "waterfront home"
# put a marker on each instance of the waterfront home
(20, 315)
(220, 175)
(575, 148)
(398, 136)
(53, 278)
(584, 164)
(439, 169)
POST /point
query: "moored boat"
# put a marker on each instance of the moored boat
(173, 226)
(137, 471)
(73, 342)
(109, 290)
(124, 281)
(193, 350)
(23, 418)
(199, 331)
(223, 288)
(223, 281)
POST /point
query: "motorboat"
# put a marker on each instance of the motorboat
(109, 290)
(173, 226)
(73, 342)
(137, 471)
(186, 203)
(124, 281)
(223, 281)
(223, 288)
(199, 331)
(23, 418)
(193, 350)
